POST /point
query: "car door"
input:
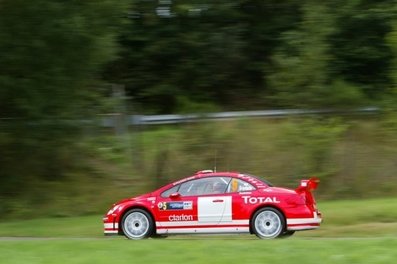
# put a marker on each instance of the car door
(173, 209)
(191, 205)
(213, 205)
(214, 209)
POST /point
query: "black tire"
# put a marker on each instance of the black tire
(268, 223)
(137, 224)
(287, 234)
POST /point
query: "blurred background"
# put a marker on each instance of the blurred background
(78, 77)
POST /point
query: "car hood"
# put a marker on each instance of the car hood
(137, 198)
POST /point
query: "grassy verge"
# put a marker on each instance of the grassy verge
(84, 226)
(360, 231)
(349, 212)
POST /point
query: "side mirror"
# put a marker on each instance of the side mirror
(175, 195)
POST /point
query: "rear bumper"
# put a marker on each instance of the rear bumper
(296, 224)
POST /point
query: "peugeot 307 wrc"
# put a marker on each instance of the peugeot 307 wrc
(215, 203)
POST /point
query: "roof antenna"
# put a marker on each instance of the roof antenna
(215, 160)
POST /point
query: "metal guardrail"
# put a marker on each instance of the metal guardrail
(112, 119)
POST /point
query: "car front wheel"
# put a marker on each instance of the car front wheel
(268, 223)
(137, 224)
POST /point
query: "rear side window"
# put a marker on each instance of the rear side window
(238, 185)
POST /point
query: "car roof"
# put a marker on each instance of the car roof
(260, 183)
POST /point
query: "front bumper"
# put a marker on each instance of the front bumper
(110, 225)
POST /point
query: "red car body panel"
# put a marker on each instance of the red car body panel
(227, 212)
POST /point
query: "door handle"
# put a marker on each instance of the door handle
(217, 201)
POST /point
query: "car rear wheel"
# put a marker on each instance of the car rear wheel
(268, 223)
(137, 224)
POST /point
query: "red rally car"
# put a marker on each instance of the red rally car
(216, 203)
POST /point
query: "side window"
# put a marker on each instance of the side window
(204, 186)
(238, 185)
(168, 192)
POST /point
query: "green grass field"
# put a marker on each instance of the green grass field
(200, 250)
(360, 231)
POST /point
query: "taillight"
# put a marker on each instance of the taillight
(296, 200)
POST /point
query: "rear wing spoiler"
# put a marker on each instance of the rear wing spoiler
(308, 185)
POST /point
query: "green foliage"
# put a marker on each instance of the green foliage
(353, 159)
(337, 56)
(203, 52)
(346, 95)
(361, 55)
(315, 141)
(391, 96)
(254, 54)
(303, 64)
(51, 54)
(192, 56)
(185, 105)
(341, 153)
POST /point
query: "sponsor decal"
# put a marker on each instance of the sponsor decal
(181, 217)
(187, 205)
(255, 200)
(251, 180)
(174, 206)
(245, 187)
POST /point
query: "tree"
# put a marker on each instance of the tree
(392, 42)
(304, 73)
(360, 54)
(187, 55)
(300, 76)
(51, 53)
